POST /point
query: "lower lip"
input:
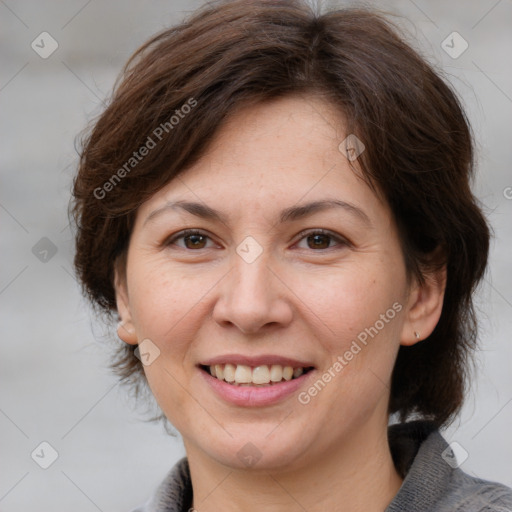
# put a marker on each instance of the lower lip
(254, 396)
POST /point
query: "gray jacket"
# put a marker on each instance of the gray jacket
(432, 480)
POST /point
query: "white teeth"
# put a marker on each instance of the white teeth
(229, 373)
(219, 370)
(244, 375)
(260, 375)
(287, 373)
(276, 373)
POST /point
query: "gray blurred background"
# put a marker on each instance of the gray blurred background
(56, 386)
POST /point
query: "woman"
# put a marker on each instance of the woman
(276, 204)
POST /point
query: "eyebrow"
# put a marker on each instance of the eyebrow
(287, 215)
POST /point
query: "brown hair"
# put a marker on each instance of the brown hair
(419, 155)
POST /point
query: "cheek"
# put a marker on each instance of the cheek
(357, 318)
(164, 299)
(343, 303)
(165, 304)
(166, 383)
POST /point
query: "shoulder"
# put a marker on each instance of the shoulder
(470, 494)
(433, 480)
(174, 494)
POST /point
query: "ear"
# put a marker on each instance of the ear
(424, 307)
(125, 327)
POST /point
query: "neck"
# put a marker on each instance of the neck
(357, 476)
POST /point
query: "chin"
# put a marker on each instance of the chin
(254, 449)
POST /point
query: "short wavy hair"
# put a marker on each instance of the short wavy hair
(418, 154)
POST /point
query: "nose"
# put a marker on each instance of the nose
(253, 297)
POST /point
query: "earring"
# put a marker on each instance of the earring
(417, 334)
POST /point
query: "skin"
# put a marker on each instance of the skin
(295, 300)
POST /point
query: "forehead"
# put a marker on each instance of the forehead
(273, 155)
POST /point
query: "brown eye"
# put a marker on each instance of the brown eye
(318, 241)
(195, 241)
(192, 239)
(321, 239)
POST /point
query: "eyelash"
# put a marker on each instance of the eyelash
(307, 232)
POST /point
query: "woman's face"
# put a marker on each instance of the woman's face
(297, 264)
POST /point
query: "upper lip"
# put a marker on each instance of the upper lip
(264, 359)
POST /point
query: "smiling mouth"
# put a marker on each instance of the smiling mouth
(263, 375)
